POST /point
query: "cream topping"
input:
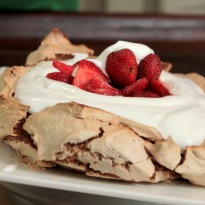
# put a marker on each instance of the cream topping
(181, 115)
(2, 69)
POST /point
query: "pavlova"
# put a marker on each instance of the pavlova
(121, 115)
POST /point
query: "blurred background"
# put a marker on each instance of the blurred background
(174, 29)
(195, 7)
(145, 6)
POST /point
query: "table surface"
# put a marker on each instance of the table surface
(4, 197)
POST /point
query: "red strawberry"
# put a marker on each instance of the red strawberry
(101, 87)
(63, 77)
(150, 67)
(121, 67)
(145, 94)
(158, 87)
(86, 71)
(140, 84)
(64, 68)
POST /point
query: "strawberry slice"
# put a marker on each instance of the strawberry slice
(99, 86)
(140, 85)
(150, 67)
(64, 68)
(158, 87)
(121, 67)
(145, 94)
(87, 71)
(63, 77)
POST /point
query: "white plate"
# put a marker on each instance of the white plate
(12, 170)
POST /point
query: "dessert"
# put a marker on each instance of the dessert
(117, 116)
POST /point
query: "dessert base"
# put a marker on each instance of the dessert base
(55, 185)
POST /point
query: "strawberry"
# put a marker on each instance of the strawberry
(99, 86)
(140, 85)
(63, 77)
(145, 94)
(121, 67)
(158, 87)
(85, 72)
(150, 67)
(64, 68)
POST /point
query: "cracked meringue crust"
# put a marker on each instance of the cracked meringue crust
(91, 140)
(56, 46)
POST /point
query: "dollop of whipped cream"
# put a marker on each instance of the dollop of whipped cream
(181, 115)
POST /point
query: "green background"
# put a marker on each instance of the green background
(32, 5)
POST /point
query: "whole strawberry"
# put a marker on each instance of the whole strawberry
(121, 67)
(150, 67)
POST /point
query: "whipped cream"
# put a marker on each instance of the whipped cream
(2, 69)
(181, 115)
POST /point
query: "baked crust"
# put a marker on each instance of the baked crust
(8, 80)
(90, 140)
(193, 165)
(110, 148)
(11, 114)
(56, 46)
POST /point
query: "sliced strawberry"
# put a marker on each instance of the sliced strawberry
(63, 77)
(71, 78)
(99, 86)
(140, 85)
(145, 94)
(121, 67)
(150, 67)
(87, 71)
(158, 87)
(64, 68)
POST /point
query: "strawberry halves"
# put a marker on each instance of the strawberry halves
(58, 76)
(86, 71)
(139, 85)
(64, 68)
(99, 86)
(128, 78)
(159, 88)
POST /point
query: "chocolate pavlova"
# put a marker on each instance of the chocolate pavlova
(116, 116)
